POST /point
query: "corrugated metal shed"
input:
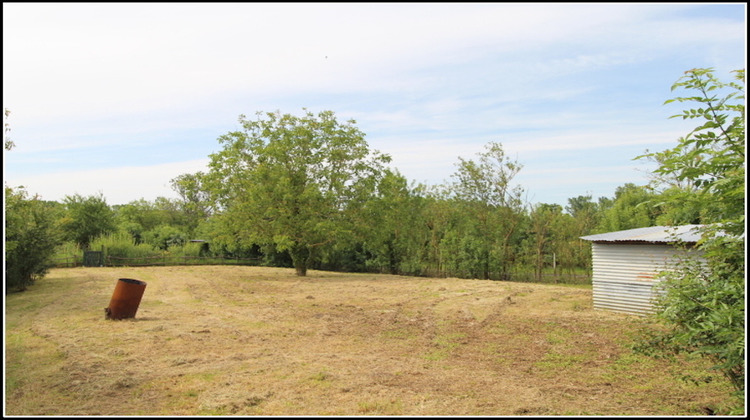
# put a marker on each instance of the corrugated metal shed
(654, 234)
(625, 264)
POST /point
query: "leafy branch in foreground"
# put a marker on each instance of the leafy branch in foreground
(702, 310)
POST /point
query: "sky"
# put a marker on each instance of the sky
(119, 98)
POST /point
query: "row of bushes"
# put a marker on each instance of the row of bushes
(120, 249)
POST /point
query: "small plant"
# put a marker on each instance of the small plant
(121, 246)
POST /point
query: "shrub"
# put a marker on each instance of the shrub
(164, 237)
(122, 245)
(30, 239)
(87, 218)
(189, 249)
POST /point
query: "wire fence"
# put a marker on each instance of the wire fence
(67, 262)
(166, 260)
(550, 278)
(179, 260)
(562, 277)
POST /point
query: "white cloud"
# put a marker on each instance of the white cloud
(119, 185)
(110, 58)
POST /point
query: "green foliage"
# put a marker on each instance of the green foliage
(164, 237)
(585, 212)
(489, 214)
(632, 208)
(220, 234)
(293, 183)
(87, 218)
(586, 215)
(552, 240)
(465, 255)
(195, 201)
(394, 227)
(704, 311)
(30, 239)
(678, 206)
(189, 249)
(712, 156)
(67, 253)
(121, 245)
(704, 308)
(141, 216)
(488, 181)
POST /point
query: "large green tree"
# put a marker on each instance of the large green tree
(490, 213)
(293, 182)
(704, 310)
(86, 218)
(194, 202)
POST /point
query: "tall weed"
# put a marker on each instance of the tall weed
(189, 249)
(67, 254)
(122, 245)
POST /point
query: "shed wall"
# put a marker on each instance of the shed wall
(623, 274)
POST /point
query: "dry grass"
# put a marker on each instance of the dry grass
(223, 340)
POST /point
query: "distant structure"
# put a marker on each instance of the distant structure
(625, 264)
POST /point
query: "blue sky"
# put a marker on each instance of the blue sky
(120, 98)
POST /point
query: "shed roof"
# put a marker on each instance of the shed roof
(654, 234)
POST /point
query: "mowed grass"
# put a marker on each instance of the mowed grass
(221, 340)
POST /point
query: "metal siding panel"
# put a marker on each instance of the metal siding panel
(623, 275)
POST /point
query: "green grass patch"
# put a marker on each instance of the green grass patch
(555, 362)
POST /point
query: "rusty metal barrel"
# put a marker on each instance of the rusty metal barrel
(125, 299)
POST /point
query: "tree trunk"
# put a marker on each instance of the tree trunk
(301, 269)
(300, 254)
(392, 257)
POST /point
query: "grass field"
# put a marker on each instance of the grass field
(223, 340)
